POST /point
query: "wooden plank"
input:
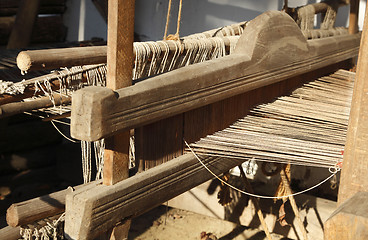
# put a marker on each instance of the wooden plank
(119, 75)
(354, 176)
(349, 220)
(254, 64)
(120, 59)
(23, 26)
(89, 212)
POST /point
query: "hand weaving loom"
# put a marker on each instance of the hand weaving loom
(182, 95)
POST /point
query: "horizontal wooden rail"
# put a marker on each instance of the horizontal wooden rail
(67, 57)
(94, 210)
(271, 49)
(35, 209)
(44, 59)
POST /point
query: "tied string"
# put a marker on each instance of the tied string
(176, 35)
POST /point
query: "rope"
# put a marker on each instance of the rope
(167, 19)
(176, 35)
(333, 172)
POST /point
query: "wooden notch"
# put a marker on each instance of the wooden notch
(99, 112)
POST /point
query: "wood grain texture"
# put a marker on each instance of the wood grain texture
(89, 212)
(254, 64)
(35, 209)
(119, 75)
(350, 220)
(354, 175)
(10, 233)
(65, 57)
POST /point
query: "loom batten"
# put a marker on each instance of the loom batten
(247, 69)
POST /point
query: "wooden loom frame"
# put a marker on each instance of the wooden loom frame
(183, 159)
(96, 208)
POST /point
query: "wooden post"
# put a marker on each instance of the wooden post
(22, 30)
(354, 176)
(353, 17)
(350, 220)
(119, 74)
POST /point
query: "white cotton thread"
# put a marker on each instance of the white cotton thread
(256, 195)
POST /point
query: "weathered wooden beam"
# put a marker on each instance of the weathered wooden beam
(272, 48)
(35, 209)
(350, 220)
(120, 39)
(95, 210)
(23, 26)
(354, 175)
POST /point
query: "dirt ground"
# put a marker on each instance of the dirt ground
(165, 223)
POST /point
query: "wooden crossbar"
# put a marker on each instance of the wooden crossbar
(272, 48)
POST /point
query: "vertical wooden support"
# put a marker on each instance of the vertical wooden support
(353, 17)
(119, 74)
(354, 176)
(21, 33)
(350, 220)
